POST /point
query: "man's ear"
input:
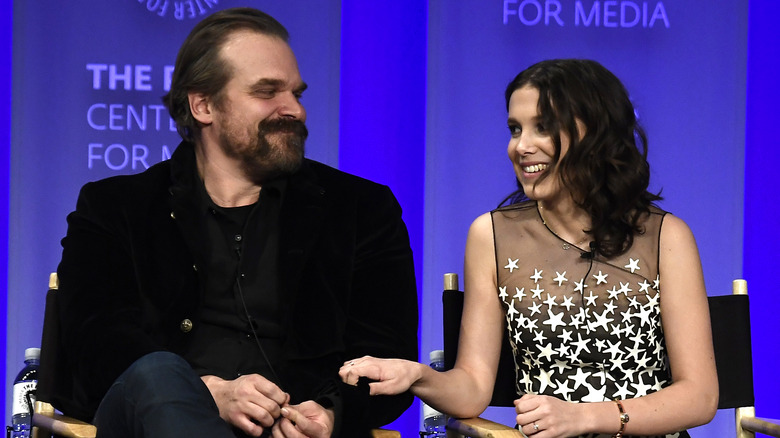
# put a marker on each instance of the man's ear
(200, 106)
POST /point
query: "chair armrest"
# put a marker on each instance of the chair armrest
(766, 426)
(481, 428)
(385, 433)
(44, 417)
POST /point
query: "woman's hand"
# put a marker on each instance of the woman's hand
(389, 376)
(542, 416)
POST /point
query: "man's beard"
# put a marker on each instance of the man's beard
(277, 150)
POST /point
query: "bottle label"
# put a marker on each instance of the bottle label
(24, 397)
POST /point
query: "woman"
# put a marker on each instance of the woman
(600, 291)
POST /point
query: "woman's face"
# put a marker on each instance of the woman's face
(531, 147)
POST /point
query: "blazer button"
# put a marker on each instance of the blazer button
(185, 326)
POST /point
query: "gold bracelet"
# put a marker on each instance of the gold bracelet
(623, 419)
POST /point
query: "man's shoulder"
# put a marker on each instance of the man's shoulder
(331, 178)
(130, 188)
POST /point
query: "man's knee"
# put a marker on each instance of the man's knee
(160, 372)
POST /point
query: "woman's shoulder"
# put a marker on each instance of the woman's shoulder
(517, 207)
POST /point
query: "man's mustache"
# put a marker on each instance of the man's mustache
(291, 126)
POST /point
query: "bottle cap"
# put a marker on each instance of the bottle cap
(32, 353)
(436, 356)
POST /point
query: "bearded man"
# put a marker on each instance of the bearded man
(217, 293)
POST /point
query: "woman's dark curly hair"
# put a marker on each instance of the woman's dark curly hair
(605, 167)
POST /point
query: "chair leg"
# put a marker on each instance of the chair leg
(740, 413)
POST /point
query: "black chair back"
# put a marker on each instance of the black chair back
(730, 317)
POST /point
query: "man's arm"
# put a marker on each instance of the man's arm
(383, 313)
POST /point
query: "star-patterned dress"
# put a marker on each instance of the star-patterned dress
(582, 328)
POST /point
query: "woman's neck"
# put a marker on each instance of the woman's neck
(566, 220)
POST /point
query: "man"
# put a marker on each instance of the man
(217, 293)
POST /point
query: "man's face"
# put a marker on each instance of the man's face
(259, 119)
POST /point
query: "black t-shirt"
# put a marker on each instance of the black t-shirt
(241, 285)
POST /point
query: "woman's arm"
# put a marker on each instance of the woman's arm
(692, 398)
(464, 391)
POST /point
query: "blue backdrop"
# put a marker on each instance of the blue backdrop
(408, 93)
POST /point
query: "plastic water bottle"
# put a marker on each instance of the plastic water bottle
(24, 394)
(434, 422)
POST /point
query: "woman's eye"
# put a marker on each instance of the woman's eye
(515, 130)
(540, 128)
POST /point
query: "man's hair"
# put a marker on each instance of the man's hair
(200, 68)
(605, 167)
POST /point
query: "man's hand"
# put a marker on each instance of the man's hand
(250, 402)
(306, 420)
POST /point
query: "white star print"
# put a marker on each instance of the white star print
(537, 292)
(537, 275)
(502, 293)
(580, 378)
(591, 299)
(624, 288)
(613, 293)
(564, 390)
(632, 265)
(595, 394)
(544, 380)
(644, 315)
(622, 393)
(550, 301)
(641, 388)
(512, 265)
(644, 286)
(519, 294)
(601, 321)
(576, 321)
(567, 303)
(617, 364)
(554, 320)
(641, 363)
(560, 278)
(610, 307)
(511, 311)
(546, 351)
(600, 278)
(614, 350)
(652, 300)
(658, 385)
(560, 365)
(535, 308)
(579, 286)
(581, 344)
